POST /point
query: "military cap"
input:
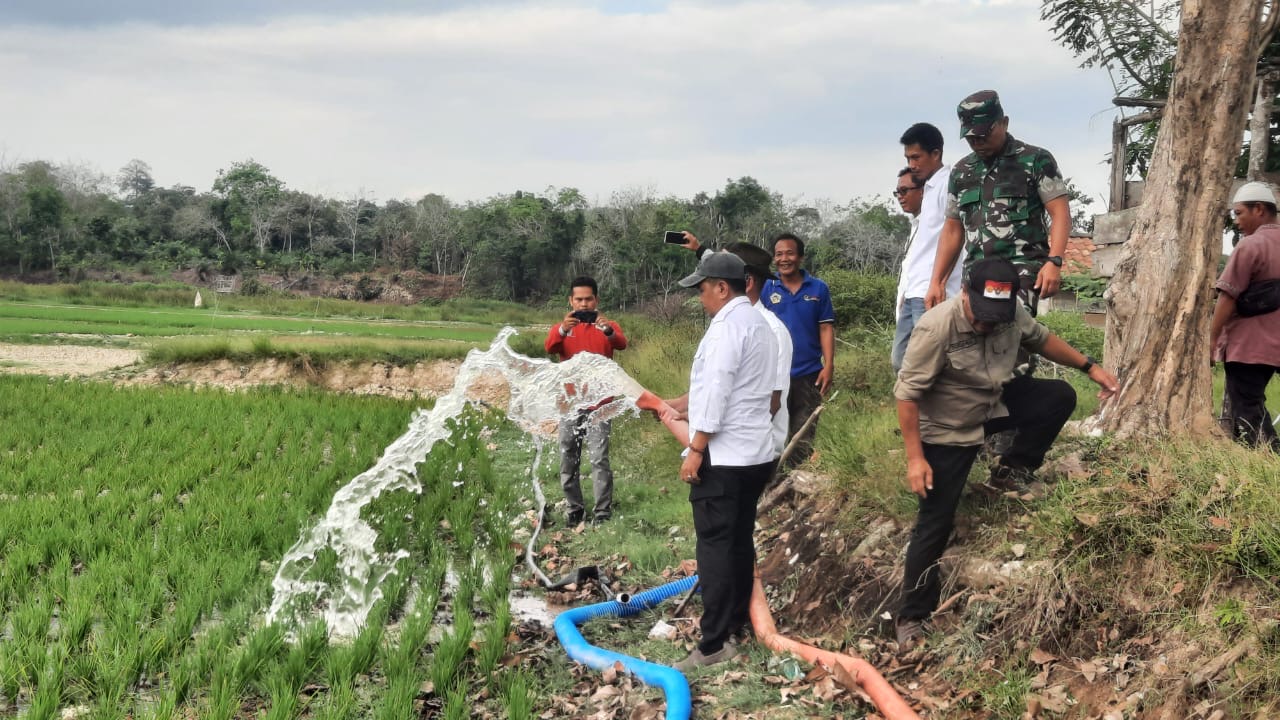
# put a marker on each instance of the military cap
(979, 112)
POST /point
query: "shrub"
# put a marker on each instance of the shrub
(1088, 289)
(252, 286)
(862, 299)
(368, 288)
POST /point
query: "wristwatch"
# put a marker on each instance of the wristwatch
(1088, 364)
(1055, 259)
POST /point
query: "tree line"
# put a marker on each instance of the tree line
(63, 220)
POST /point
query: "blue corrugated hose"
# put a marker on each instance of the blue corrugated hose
(672, 681)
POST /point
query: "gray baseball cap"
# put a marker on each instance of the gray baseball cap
(722, 265)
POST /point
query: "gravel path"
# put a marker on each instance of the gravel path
(63, 359)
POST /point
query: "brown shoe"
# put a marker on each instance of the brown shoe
(1005, 479)
(696, 659)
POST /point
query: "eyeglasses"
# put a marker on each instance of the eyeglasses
(900, 191)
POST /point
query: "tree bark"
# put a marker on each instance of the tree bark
(1160, 299)
(1260, 124)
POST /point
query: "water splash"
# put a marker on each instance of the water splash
(537, 394)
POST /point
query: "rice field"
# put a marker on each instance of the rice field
(25, 318)
(140, 529)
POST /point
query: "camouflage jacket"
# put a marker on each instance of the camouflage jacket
(1001, 203)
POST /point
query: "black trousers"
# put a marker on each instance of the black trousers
(802, 399)
(724, 518)
(1037, 410)
(1246, 393)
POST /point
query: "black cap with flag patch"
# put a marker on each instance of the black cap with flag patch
(993, 290)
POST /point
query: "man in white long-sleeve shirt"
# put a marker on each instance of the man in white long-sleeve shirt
(757, 260)
(922, 147)
(731, 450)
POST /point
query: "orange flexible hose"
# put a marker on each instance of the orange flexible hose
(887, 700)
(678, 428)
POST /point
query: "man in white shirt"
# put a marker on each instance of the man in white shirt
(757, 260)
(731, 449)
(922, 147)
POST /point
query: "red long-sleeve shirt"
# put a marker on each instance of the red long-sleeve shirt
(585, 338)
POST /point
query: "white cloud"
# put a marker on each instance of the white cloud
(809, 98)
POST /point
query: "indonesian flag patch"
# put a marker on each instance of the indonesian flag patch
(996, 290)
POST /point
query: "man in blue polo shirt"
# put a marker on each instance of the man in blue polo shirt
(803, 303)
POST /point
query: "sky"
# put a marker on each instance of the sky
(393, 99)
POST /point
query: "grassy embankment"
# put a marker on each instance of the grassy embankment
(1166, 554)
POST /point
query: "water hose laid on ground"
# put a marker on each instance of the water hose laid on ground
(671, 681)
(887, 700)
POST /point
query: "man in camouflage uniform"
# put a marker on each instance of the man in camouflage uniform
(998, 198)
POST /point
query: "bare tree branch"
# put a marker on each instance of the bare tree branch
(1124, 101)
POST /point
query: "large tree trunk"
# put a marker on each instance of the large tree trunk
(1260, 125)
(1160, 299)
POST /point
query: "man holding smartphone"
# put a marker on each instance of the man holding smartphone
(585, 329)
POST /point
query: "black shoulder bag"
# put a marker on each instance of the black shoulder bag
(1259, 298)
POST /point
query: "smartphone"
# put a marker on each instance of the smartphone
(675, 237)
(586, 317)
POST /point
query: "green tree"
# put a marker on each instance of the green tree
(250, 192)
(134, 180)
(747, 211)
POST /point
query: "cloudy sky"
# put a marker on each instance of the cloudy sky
(472, 99)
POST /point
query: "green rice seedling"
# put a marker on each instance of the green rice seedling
(343, 664)
(494, 643)
(109, 709)
(258, 654)
(183, 676)
(401, 661)
(461, 516)
(517, 697)
(11, 673)
(166, 708)
(396, 702)
(223, 700)
(456, 704)
(31, 621)
(396, 590)
(177, 631)
(339, 704)
(283, 698)
(49, 692)
(114, 674)
(306, 654)
(76, 621)
(58, 577)
(451, 652)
